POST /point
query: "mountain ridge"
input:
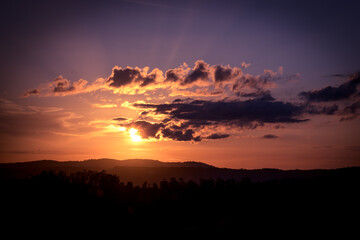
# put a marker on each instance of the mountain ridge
(109, 163)
(139, 171)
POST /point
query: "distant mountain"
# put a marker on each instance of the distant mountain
(104, 163)
(139, 171)
(25, 169)
(147, 163)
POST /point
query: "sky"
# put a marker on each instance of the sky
(235, 84)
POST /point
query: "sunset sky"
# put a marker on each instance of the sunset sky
(237, 84)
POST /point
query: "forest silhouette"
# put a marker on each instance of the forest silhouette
(97, 199)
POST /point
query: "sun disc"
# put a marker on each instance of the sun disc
(133, 134)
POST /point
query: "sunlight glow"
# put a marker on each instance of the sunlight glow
(134, 136)
(113, 128)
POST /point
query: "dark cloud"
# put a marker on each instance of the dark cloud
(217, 136)
(183, 76)
(144, 113)
(171, 76)
(222, 73)
(62, 85)
(123, 77)
(353, 108)
(146, 129)
(201, 80)
(259, 94)
(178, 135)
(194, 120)
(243, 112)
(321, 109)
(148, 80)
(347, 91)
(200, 72)
(351, 111)
(270, 136)
(167, 130)
(32, 92)
(119, 119)
(344, 91)
(198, 114)
(250, 86)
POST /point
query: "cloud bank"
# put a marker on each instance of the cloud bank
(195, 120)
(201, 80)
(344, 91)
(347, 93)
(213, 101)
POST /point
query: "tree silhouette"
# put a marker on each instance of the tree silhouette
(100, 199)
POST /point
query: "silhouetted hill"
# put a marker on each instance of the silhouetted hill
(105, 163)
(150, 163)
(25, 169)
(139, 171)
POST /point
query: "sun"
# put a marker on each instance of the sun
(133, 134)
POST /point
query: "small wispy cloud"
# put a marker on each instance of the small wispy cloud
(97, 105)
(269, 136)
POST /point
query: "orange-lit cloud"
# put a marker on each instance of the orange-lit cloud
(201, 80)
(199, 119)
(227, 100)
(134, 80)
(97, 105)
(61, 86)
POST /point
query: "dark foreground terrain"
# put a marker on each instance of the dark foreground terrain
(91, 201)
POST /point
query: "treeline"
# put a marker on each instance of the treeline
(100, 199)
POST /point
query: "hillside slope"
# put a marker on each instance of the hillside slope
(139, 171)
